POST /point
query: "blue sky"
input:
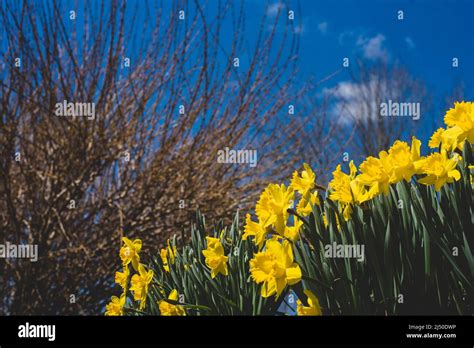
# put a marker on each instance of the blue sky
(431, 34)
(425, 41)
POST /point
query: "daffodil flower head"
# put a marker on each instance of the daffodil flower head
(121, 278)
(306, 203)
(274, 268)
(281, 198)
(266, 219)
(293, 232)
(439, 169)
(115, 306)
(340, 184)
(140, 283)
(436, 139)
(130, 252)
(263, 209)
(374, 175)
(461, 115)
(272, 206)
(168, 254)
(215, 258)
(304, 183)
(460, 121)
(257, 230)
(169, 309)
(313, 308)
(398, 163)
(347, 189)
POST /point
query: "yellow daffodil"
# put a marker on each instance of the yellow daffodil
(452, 138)
(347, 189)
(115, 306)
(374, 175)
(436, 139)
(460, 121)
(399, 161)
(341, 190)
(304, 183)
(306, 203)
(130, 252)
(281, 198)
(140, 283)
(275, 268)
(293, 232)
(263, 209)
(359, 191)
(258, 230)
(168, 254)
(313, 309)
(215, 258)
(340, 185)
(273, 205)
(121, 278)
(266, 220)
(168, 309)
(439, 169)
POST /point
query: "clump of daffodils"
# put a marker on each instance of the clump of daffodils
(274, 233)
(375, 175)
(275, 227)
(272, 208)
(140, 282)
(274, 230)
(403, 162)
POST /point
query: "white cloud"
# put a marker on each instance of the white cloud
(373, 48)
(323, 27)
(409, 42)
(348, 98)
